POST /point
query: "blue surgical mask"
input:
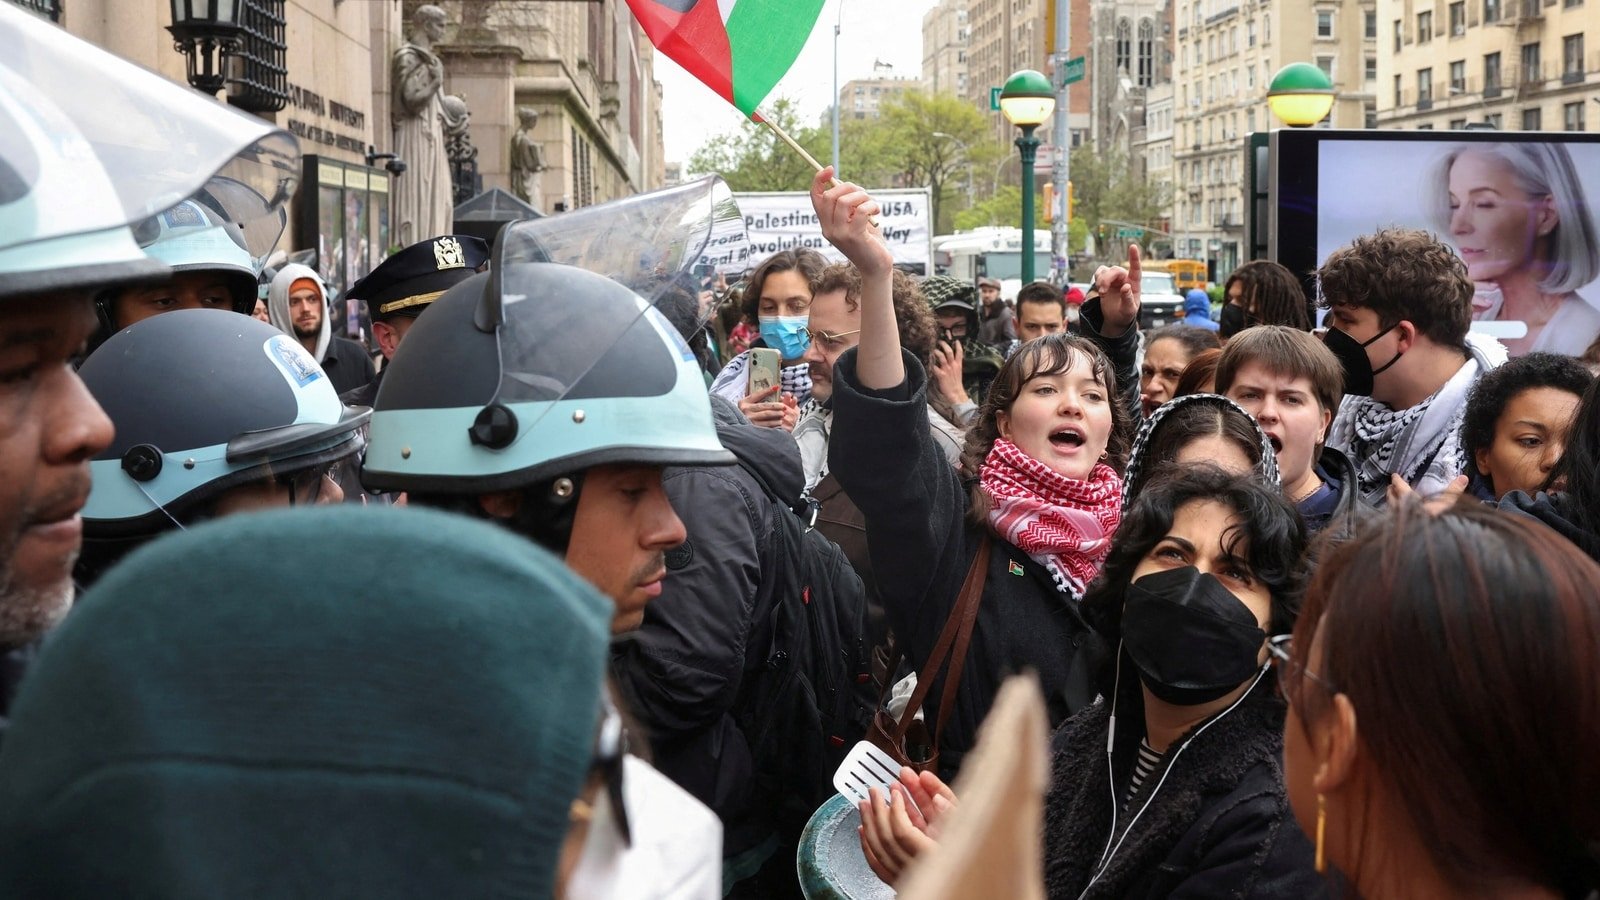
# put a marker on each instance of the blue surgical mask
(786, 334)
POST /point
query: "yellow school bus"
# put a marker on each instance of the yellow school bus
(1186, 273)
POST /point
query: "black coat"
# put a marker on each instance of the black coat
(1552, 510)
(1349, 509)
(347, 365)
(881, 451)
(681, 671)
(1218, 827)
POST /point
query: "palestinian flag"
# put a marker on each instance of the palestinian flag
(739, 48)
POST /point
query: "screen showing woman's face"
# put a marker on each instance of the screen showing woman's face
(1494, 224)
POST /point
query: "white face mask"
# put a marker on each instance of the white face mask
(677, 844)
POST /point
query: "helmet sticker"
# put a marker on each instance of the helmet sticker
(293, 360)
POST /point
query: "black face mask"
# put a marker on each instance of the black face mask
(1352, 354)
(1232, 321)
(1190, 638)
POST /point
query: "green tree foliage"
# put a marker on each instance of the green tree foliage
(1104, 187)
(755, 159)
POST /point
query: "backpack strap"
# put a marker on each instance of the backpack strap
(956, 637)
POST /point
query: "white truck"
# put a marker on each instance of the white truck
(992, 253)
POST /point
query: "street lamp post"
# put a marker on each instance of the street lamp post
(1300, 95)
(837, 21)
(1026, 101)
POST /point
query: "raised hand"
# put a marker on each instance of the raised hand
(1119, 290)
(845, 211)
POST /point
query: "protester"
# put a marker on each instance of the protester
(836, 327)
(1200, 375)
(777, 299)
(1262, 292)
(1570, 501)
(1167, 351)
(1444, 699)
(402, 286)
(1197, 310)
(1517, 421)
(963, 364)
(1189, 431)
(1183, 793)
(1041, 310)
(225, 729)
(260, 313)
(999, 326)
(1399, 306)
(1046, 447)
(1292, 384)
(457, 399)
(298, 305)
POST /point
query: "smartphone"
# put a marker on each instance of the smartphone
(764, 366)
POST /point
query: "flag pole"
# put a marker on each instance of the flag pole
(794, 145)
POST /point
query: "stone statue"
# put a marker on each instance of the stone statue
(464, 180)
(527, 160)
(422, 206)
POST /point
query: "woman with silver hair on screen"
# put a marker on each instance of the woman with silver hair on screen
(1517, 215)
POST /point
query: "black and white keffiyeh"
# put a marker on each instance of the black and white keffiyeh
(730, 382)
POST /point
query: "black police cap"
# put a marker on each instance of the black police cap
(405, 283)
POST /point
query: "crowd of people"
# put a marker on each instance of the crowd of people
(554, 603)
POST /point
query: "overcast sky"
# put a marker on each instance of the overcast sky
(886, 30)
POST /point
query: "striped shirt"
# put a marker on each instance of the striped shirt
(1146, 764)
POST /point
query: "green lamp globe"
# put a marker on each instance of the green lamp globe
(1027, 100)
(1300, 94)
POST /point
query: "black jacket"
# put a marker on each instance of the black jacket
(1219, 825)
(364, 395)
(1551, 510)
(1334, 468)
(681, 671)
(881, 451)
(347, 364)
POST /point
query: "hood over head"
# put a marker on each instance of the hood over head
(1267, 468)
(278, 304)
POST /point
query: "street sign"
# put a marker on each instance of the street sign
(1132, 234)
(1073, 71)
(994, 98)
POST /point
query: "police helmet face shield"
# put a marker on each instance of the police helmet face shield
(561, 356)
(202, 401)
(79, 165)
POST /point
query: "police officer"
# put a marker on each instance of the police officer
(215, 414)
(402, 286)
(548, 398)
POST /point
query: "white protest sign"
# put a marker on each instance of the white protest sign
(785, 221)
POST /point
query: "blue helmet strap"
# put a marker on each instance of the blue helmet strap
(547, 511)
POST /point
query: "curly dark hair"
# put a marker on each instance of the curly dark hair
(1402, 274)
(1498, 387)
(1051, 354)
(1273, 534)
(1580, 464)
(1270, 294)
(912, 317)
(1194, 340)
(809, 263)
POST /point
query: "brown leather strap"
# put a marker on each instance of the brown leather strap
(958, 632)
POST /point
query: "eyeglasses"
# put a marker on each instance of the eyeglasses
(1290, 669)
(826, 338)
(305, 486)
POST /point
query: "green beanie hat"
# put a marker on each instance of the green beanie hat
(336, 701)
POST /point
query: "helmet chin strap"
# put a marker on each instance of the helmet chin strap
(547, 512)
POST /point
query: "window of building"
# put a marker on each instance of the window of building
(1572, 116)
(1424, 86)
(1325, 63)
(1266, 29)
(1397, 100)
(1371, 25)
(1491, 11)
(1495, 121)
(1458, 124)
(1532, 68)
(1147, 53)
(1491, 73)
(1532, 120)
(1424, 27)
(1250, 120)
(1370, 120)
(1124, 46)
(1458, 18)
(1371, 73)
(1426, 126)
(1324, 23)
(1250, 77)
(1571, 3)
(1250, 34)
(1572, 59)
(1458, 77)
(1399, 34)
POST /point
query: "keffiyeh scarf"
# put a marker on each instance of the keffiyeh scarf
(1421, 444)
(730, 383)
(1064, 524)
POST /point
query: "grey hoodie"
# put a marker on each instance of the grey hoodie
(278, 305)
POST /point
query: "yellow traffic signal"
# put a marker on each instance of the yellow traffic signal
(1072, 204)
(1049, 202)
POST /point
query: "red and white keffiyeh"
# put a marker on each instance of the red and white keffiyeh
(1064, 524)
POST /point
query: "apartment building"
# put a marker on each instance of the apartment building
(1226, 52)
(1151, 143)
(944, 48)
(860, 97)
(1519, 65)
